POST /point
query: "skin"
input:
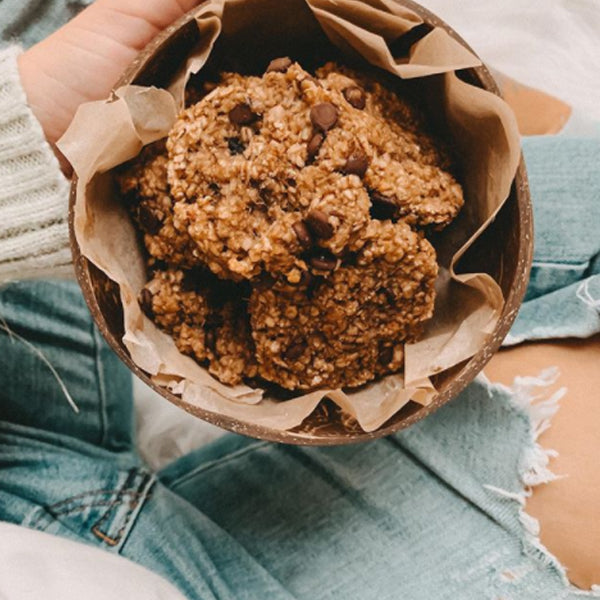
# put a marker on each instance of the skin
(567, 508)
(537, 112)
(80, 63)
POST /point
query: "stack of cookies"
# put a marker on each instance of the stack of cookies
(285, 219)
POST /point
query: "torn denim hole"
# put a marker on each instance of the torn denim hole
(531, 396)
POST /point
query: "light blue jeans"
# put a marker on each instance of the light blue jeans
(411, 516)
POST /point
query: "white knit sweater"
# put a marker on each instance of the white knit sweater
(33, 192)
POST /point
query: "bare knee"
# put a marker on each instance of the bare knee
(568, 509)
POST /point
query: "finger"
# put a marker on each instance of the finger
(159, 13)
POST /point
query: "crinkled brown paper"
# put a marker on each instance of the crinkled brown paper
(105, 134)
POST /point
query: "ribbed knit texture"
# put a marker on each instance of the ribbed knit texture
(33, 192)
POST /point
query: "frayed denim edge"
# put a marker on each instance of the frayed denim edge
(531, 398)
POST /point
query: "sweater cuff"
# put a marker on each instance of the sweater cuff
(34, 239)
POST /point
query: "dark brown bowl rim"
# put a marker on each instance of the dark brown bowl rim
(462, 379)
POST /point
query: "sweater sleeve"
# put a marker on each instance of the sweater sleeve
(34, 239)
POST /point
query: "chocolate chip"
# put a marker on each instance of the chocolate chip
(355, 96)
(214, 187)
(279, 65)
(210, 340)
(295, 351)
(303, 234)
(323, 262)
(386, 355)
(215, 320)
(318, 223)
(263, 283)
(145, 301)
(150, 222)
(235, 145)
(389, 295)
(382, 207)
(131, 198)
(241, 114)
(291, 182)
(313, 146)
(324, 116)
(356, 164)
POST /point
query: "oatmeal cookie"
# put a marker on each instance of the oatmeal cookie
(143, 184)
(350, 327)
(206, 318)
(406, 168)
(264, 169)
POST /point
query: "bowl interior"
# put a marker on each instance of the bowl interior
(503, 251)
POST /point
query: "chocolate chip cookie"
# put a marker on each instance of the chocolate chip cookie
(206, 318)
(145, 189)
(344, 329)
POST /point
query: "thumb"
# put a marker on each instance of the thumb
(81, 61)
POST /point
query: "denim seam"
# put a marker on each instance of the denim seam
(204, 467)
(105, 537)
(82, 495)
(100, 386)
(81, 507)
(146, 484)
(561, 265)
(93, 503)
(49, 510)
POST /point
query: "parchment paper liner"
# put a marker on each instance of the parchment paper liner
(484, 133)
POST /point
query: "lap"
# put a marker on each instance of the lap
(66, 419)
(246, 519)
(418, 512)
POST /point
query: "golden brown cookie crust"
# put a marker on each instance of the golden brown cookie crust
(346, 329)
(205, 317)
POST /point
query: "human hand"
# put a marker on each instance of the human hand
(82, 61)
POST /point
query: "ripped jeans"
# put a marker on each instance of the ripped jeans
(416, 515)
